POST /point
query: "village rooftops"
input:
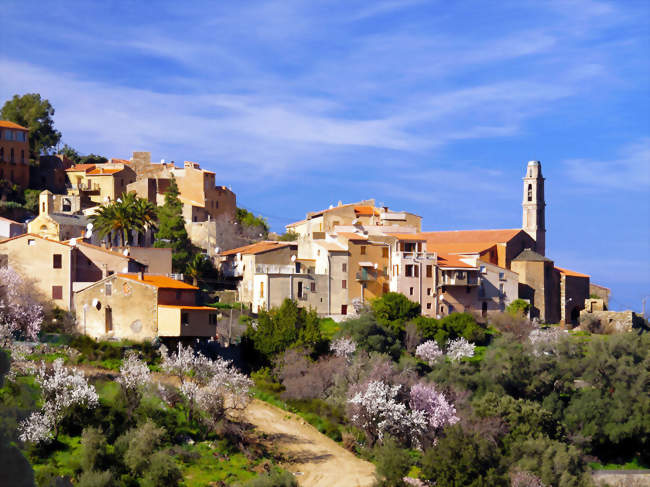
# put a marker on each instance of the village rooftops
(571, 273)
(447, 261)
(100, 171)
(471, 236)
(11, 125)
(257, 248)
(163, 282)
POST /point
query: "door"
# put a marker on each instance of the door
(344, 309)
(108, 316)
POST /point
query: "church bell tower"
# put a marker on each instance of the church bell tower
(534, 206)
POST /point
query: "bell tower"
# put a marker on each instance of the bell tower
(533, 218)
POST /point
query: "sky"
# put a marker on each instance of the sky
(432, 107)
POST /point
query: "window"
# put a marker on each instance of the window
(344, 267)
(108, 316)
(428, 305)
(502, 276)
(384, 252)
(11, 157)
(312, 287)
(429, 271)
(212, 319)
(300, 290)
(396, 270)
(344, 285)
(468, 289)
(363, 248)
(261, 289)
(108, 289)
(216, 204)
(501, 289)
(57, 292)
(56, 261)
(460, 275)
(385, 288)
(2, 153)
(22, 157)
(428, 291)
(31, 242)
(344, 309)
(185, 319)
(411, 291)
(530, 192)
(482, 269)
(409, 270)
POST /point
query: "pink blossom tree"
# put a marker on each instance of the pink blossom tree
(19, 309)
(429, 351)
(438, 411)
(62, 388)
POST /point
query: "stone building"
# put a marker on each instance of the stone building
(50, 173)
(10, 228)
(100, 183)
(56, 225)
(142, 307)
(14, 153)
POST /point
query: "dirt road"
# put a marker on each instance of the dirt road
(317, 461)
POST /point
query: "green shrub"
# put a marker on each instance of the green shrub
(393, 464)
(138, 444)
(274, 479)
(162, 470)
(94, 450)
(394, 310)
(450, 327)
(96, 479)
(518, 307)
(371, 336)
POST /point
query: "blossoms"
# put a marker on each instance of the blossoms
(546, 340)
(62, 388)
(134, 377)
(460, 348)
(439, 412)
(343, 347)
(428, 351)
(19, 311)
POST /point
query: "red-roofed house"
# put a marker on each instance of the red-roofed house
(14, 153)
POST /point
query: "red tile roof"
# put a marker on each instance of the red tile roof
(11, 125)
(408, 236)
(452, 261)
(571, 273)
(460, 248)
(365, 211)
(257, 248)
(100, 171)
(81, 167)
(159, 281)
(471, 236)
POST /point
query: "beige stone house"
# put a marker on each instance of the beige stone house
(58, 268)
(10, 228)
(56, 225)
(100, 183)
(141, 307)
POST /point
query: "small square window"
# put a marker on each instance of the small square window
(344, 267)
(31, 241)
(411, 291)
(56, 261)
(344, 284)
(57, 292)
(363, 250)
(428, 305)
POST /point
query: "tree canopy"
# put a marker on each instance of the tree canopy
(171, 229)
(77, 158)
(35, 113)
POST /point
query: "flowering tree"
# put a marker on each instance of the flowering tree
(428, 351)
(62, 388)
(460, 348)
(343, 347)
(522, 478)
(377, 412)
(438, 411)
(546, 340)
(210, 386)
(19, 310)
(134, 378)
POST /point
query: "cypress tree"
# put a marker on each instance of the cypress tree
(171, 229)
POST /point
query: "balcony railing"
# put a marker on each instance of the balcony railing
(415, 255)
(275, 269)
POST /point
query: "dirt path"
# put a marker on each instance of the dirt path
(317, 461)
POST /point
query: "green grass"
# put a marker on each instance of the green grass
(631, 465)
(221, 463)
(329, 327)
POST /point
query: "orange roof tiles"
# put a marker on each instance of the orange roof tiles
(100, 171)
(452, 261)
(408, 236)
(11, 125)
(81, 167)
(159, 281)
(571, 273)
(119, 161)
(257, 248)
(471, 236)
(460, 248)
(365, 210)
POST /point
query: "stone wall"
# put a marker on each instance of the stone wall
(611, 321)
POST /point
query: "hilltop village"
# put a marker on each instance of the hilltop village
(334, 261)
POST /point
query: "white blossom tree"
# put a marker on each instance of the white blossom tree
(377, 412)
(19, 309)
(429, 351)
(62, 388)
(209, 386)
(460, 348)
(546, 340)
(438, 411)
(343, 347)
(134, 378)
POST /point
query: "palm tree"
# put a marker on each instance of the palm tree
(145, 216)
(123, 216)
(198, 266)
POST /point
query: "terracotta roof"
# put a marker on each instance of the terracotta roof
(352, 236)
(100, 171)
(257, 248)
(173, 306)
(571, 273)
(452, 261)
(159, 281)
(11, 125)
(460, 248)
(119, 161)
(365, 210)
(35, 236)
(81, 167)
(471, 236)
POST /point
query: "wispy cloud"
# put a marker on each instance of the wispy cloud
(630, 171)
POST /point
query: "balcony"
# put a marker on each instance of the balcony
(452, 279)
(275, 269)
(366, 275)
(415, 255)
(88, 188)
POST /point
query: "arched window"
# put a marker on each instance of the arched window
(67, 205)
(530, 192)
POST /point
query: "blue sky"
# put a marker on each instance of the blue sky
(429, 106)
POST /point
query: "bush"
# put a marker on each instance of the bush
(451, 327)
(94, 450)
(393, 464)
(274, 479)
(518, 307)
(162, 470)
(96, 479)
(371, 336)
(138, 444)
(394, 310)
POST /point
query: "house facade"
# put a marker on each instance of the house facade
(14, 153)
